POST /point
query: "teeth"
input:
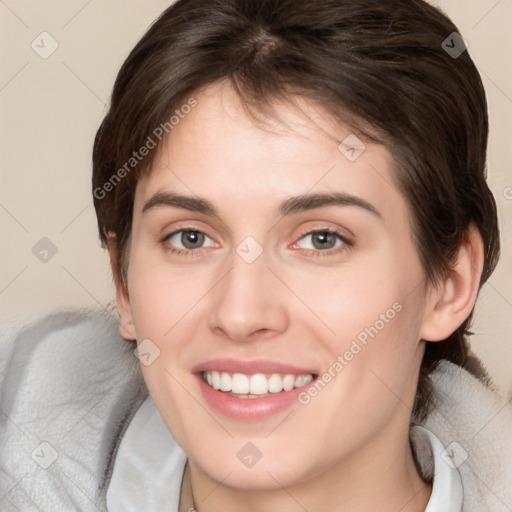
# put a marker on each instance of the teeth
(225, 382)
(215, 380)
(275, 383)
(240, 384)
(288, 382)
(257, 384)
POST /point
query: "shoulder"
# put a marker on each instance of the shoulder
(474, 422)
(68, 386)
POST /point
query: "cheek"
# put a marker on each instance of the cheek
(374, 312)
(369, 378)
(375, 364)
(162, 294)
(349, 299)
(167, 309)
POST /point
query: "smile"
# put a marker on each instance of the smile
(254, 386)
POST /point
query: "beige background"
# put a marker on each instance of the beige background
(51, 108)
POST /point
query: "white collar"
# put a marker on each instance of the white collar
(447, 490)
(149, 468)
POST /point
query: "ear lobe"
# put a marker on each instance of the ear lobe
(126, 327)
(452, 302)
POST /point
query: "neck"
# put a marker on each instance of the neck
(362, 482)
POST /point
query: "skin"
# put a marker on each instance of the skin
(348, 448)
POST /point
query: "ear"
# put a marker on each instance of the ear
(452, 302)
(126, 327)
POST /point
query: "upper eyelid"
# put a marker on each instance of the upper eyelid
(304, 232)
(300, 236)
(346, 235)
(338, 231)
(187, 227)
(345, 239)
(193, 224)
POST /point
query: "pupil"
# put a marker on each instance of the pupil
(192, 239)
(325, 239)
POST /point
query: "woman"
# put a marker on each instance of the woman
(293, 197)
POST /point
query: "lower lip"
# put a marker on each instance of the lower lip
(249, 408)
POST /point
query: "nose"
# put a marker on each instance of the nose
(248, 303)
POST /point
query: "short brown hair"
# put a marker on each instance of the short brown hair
(380, 67)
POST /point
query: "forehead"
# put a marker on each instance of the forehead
(219, 151)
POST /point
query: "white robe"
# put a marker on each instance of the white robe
(70, 386)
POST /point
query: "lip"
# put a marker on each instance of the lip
(251, 367)
(250, 409)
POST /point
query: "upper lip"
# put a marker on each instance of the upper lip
(250, 367)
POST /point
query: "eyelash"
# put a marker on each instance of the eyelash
(347, 244)
(182, 252)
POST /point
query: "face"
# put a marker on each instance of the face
(286, 275)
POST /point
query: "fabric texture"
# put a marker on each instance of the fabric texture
(447, 490)
(70, 388)
(150, 464)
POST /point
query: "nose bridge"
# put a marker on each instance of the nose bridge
(245, 300)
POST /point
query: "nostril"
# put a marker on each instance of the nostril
(259, 333)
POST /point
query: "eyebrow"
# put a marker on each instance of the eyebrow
(295, 204)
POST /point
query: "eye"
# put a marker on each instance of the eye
(323, 242)
(186, 240)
